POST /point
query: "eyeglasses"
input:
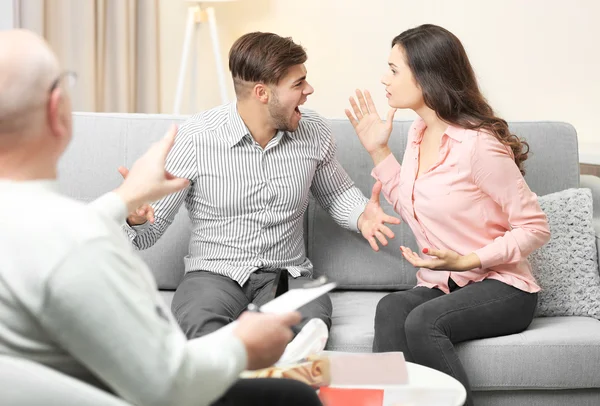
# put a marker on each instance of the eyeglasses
(69, 76)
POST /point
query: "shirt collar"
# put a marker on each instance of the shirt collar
(456, 133)
(238, 129)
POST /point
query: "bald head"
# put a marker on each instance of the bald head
(27, 69)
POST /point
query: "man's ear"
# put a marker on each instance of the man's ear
(57, 115)
(261, 92)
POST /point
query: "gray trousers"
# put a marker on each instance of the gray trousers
(205, 301)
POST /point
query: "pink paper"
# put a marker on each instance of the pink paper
(386, 368)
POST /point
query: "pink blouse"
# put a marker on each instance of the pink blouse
(473, 199)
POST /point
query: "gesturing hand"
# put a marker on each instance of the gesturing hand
(143, 213)
(148, 180)
(445, 260)
(371, 222)
(372, 132)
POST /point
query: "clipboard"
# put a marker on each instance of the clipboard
(289, 301)
(295, 298)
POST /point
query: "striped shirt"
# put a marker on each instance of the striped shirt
(246, 203)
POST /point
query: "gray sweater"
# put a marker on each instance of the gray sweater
(75, 297)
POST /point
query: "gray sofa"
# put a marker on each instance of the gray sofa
(556, 361)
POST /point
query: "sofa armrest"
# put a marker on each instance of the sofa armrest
(593, 183)
(597, 228)
(26, 383)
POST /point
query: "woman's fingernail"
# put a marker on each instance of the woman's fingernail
(425, 250)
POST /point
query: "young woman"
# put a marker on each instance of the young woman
(461, 190)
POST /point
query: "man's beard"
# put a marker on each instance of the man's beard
(278, 114)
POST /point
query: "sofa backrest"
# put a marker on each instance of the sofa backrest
(102, 142)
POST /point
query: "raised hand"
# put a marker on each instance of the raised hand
(143, 213)
(371, 222)
(148, 180)
(372, 132)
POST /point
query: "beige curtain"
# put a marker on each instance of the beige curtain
(113, 45)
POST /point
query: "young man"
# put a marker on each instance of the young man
(73, 294)
(252, 165)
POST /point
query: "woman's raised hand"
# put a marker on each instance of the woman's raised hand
(372, 132)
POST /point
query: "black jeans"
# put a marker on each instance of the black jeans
(205, 301)
(269, 392)
(425, 323)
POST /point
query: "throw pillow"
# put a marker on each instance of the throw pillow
(566, 268)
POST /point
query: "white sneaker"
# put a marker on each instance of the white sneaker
(310, 340)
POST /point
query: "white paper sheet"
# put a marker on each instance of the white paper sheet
(295, 298)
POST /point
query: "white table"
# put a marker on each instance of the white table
(425, 387)
(423, 379)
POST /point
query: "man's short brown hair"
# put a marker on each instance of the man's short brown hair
(263, 57)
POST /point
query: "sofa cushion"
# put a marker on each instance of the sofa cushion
(533, 397)
(352, 323)
(347, 258)
(567, 267)
(167, 296)
(554, 352)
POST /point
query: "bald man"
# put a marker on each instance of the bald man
(79, 300)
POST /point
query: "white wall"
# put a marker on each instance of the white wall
(536, 59)
(6, 14)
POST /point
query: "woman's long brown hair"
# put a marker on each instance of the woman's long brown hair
(442, 69)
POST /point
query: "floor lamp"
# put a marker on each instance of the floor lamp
(199, 13)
